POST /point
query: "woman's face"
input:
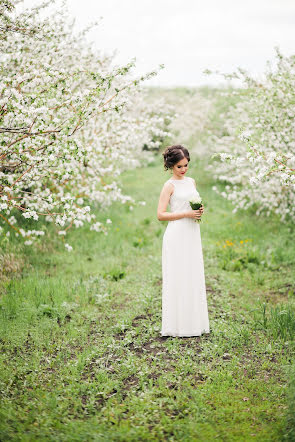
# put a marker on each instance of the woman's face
(179, 169)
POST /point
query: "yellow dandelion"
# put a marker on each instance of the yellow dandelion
(242, 242)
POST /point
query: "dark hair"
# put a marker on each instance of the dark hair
(173, 154)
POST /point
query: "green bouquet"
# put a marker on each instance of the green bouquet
(195, 203)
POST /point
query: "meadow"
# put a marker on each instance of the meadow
(80, 311)
(81, 353)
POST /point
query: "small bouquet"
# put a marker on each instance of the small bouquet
(196, 203)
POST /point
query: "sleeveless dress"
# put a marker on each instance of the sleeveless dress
(184, 302)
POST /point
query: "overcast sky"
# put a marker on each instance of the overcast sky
(188, 36)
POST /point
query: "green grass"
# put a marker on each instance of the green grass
(82, 357)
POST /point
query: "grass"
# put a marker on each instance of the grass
(82, 357)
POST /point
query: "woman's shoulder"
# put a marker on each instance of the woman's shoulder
(192, 180)
(168, 182)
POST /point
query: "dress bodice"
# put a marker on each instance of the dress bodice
(184, 190)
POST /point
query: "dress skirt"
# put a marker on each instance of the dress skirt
(184, 303)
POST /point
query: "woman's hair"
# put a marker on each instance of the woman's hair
(173, 154)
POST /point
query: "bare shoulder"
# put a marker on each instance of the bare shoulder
(168, 183)
(168, 186)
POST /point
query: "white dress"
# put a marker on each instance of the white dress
(184, 302)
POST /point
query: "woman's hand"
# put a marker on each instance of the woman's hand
(196, 214)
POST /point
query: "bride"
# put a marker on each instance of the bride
(184, 302)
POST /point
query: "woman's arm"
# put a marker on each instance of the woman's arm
(162, 215)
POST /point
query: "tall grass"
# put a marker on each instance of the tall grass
(81, 356)
(290, 417)
(278, 321)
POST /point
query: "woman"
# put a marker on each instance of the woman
(184, 303)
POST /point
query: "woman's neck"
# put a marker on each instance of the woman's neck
(178, 179)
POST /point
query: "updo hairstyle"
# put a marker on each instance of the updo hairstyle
(173, 154)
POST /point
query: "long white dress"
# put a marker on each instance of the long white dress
(184, 302)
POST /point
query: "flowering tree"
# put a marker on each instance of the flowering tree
(67, 123)
(190, 110)
(257, 150)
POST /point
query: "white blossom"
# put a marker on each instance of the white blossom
(58, 89)
(260, 164)
(68, 247)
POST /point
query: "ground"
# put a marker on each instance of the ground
(82, 357)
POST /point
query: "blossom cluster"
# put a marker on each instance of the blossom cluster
(71, 121)
(256, 150)
(190, 110)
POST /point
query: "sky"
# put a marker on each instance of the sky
(189, 36)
